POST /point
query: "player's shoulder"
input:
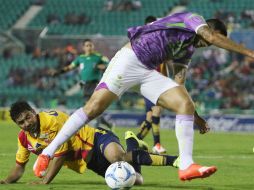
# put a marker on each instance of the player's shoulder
(96, 53)
(81, 56)
(22, 134)
(47, 117)
(22, 137)
(102, 57)
(51, 114)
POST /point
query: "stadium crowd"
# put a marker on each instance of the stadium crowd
(218, 79)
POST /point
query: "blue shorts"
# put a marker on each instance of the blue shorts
(98, 162)
(148, 105)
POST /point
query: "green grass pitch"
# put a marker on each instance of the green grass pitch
(230, 152)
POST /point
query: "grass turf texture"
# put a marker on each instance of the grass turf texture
(230, 152)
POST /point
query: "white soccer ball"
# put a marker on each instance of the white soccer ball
(120, 175)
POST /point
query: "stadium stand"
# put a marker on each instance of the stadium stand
(113, 22)
(10, 11)
(218, 87)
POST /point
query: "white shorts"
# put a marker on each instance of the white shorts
(125, 71)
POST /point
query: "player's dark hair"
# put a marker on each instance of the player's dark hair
(218, 25)
(87, 40)
(18, 107)
(150, 19)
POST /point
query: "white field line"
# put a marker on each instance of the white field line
(226, 157)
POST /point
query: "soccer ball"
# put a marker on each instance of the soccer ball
(120, 175)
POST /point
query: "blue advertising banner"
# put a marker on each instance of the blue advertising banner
(216, 123)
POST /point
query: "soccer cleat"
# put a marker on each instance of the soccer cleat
(41, 165)
(196, 171)
(176, 163)
(142, 144)
(158, 149)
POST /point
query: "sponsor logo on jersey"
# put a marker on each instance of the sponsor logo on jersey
(30, 148)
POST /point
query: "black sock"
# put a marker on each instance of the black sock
(144, 129)
(156, 129)
(132, 144)
(141, 157)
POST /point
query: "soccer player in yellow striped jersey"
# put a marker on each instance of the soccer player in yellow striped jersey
(90, 148)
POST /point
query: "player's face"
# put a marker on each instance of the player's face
(27, 121)
(88, 47)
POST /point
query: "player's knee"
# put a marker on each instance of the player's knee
(117, 157)
(139, 179)
(149, 116)
(156, 111)
(186, 106)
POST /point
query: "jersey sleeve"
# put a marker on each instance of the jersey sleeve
(22, 155)
(104, 60)
(75, 62)
(194, 22)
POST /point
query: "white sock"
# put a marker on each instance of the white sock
(185, 134)
(75, 122)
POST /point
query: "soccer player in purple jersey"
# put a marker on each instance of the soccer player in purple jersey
(174, 37)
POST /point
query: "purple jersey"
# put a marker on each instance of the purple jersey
(170, 37)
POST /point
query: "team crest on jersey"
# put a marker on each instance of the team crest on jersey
(39, 148)
(38, 145)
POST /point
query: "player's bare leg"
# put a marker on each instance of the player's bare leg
(178, 100)
(99, 101)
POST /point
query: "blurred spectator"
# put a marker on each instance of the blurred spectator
(36, 53)
(72, 18)
(38, 2)
(70, 54)
(183, 2)
(128, 5)
(248, 14)
(53, 19)
(7, 53)
(108, 5)
(83, 19)
(137, 4)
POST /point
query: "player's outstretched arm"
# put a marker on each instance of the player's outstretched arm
(101, 66)
(53, 72)
(221, 41)
(54, 167)
(14, 175)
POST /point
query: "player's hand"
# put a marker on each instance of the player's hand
(202, 125)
